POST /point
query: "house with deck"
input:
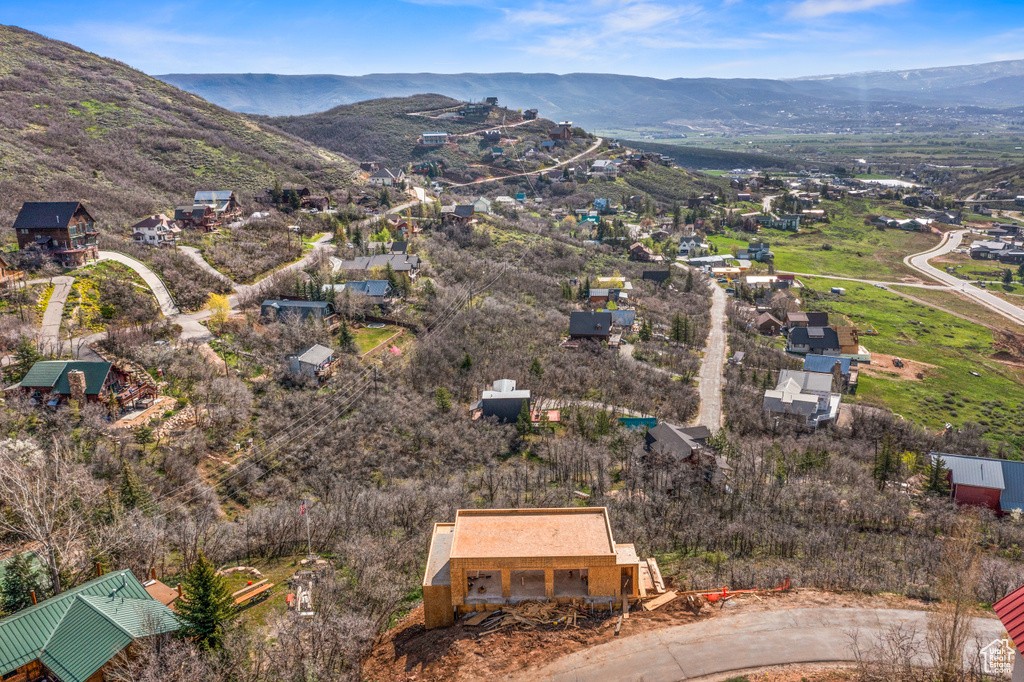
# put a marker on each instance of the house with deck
(55, 382)
(73, 637)
(502, 401)
(280, 310)
(805, 397)
(156, 230)
(489, 558)
(224, 203)
(590, 326)
(63, 231)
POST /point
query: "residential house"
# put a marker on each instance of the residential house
(827, 364)
(813, 341)
(805, 396)
(376, 291)
(657, 276)
(482, 205)
(156, 230)
(983, 482)
(849, 339)
(605, 168)
(387, 178)
(197, 217)
(55, 382)
(74, 635)
(744, 196)
(810, 319)
(687, 446)
(622, 317)
(988, 250)
(530, 115)
(490, 558)
(369, 166)
(491, 101)
(491, 136)
(399, 262)
(314, 362)
(434, 139)
(638, 251)
(561, 133)
(461, 213)
(758, 251)
(689, 246)
(768, 324)
(505, 200)
(63, 230)
(912, 200)
(885, 221)
(1010, 610)
(1012, 257)
(790, 222)
(592, 326)
(223, 202)
(497, 152)
(272, 310)
(8, 276)
(503, 401)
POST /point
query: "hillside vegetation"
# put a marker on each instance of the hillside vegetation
(74, 125)
(387, 130)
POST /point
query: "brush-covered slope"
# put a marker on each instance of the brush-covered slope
(388, 130)
(76, 126)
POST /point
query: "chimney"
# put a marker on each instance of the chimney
(99, 569)
(33, 593)
(179, 589)
(76, 382)
(152, 574)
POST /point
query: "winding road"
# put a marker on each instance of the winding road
(711, 649)
(593, 148)
(950, 241)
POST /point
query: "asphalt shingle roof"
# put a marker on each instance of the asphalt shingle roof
(800, 336)
(46, 214)
(590, 324)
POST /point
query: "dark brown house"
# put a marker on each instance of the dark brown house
(196, 217)
(63, 229)
(9, 276)
(561, 133)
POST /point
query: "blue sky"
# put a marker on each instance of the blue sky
(660, 38)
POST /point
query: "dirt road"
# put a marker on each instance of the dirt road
(709, 380)
(593, 148)
(710, 649)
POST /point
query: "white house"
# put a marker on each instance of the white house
(806, 395)
(434, 139)
(156, 230)
(482, 205)
(387, 178)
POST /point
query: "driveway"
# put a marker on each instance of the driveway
(197, 257)
(49, 333)
(950, 241)
(712, 649)
(709, 380)
(155, 284)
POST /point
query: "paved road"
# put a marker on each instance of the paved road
(709, 380)
(884, 283)
(742, 642)
(950, 241)
(590, 150)
(197, 257)
(49, 333)
(156, 285)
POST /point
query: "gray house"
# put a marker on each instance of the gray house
(312, 362)
(279, 309)
(503, 401)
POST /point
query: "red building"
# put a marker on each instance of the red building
(984, 482)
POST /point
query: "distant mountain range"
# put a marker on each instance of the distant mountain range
(633, 103)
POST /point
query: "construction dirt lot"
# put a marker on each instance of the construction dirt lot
(410, 652)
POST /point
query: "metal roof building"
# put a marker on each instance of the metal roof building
(76, 633)
(996, 483)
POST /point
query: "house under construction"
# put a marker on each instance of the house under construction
(492, 557)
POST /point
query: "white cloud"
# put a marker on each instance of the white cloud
(809, 9)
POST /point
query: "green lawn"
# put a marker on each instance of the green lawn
(956, 347)
(367, 339)
(845, 247)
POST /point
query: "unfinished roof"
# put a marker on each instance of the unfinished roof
(1010, 610)
(438, 561)
(517, 533)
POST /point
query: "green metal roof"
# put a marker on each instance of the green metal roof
(54, 374)
(75, 633)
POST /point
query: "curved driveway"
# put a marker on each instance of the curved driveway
(950, 241)
(743, 642)
(155, 284)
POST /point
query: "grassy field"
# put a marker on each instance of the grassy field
(367, 339)
(954, 347)
(844, 247)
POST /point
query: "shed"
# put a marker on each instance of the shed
(309, 362)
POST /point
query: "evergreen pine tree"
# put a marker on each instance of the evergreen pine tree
(17, 585)
(645, 331)
(205, 606)
(428, 289)
(937, 482)
(677, 332)
(524, 424)
(346, 339)
(887, 463)
(467, 363)
(133, 493)
(536, 369)
(443, 399)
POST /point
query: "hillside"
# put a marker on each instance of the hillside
(76, 126)
(609, 102)
(713, 159)
(387, 130)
